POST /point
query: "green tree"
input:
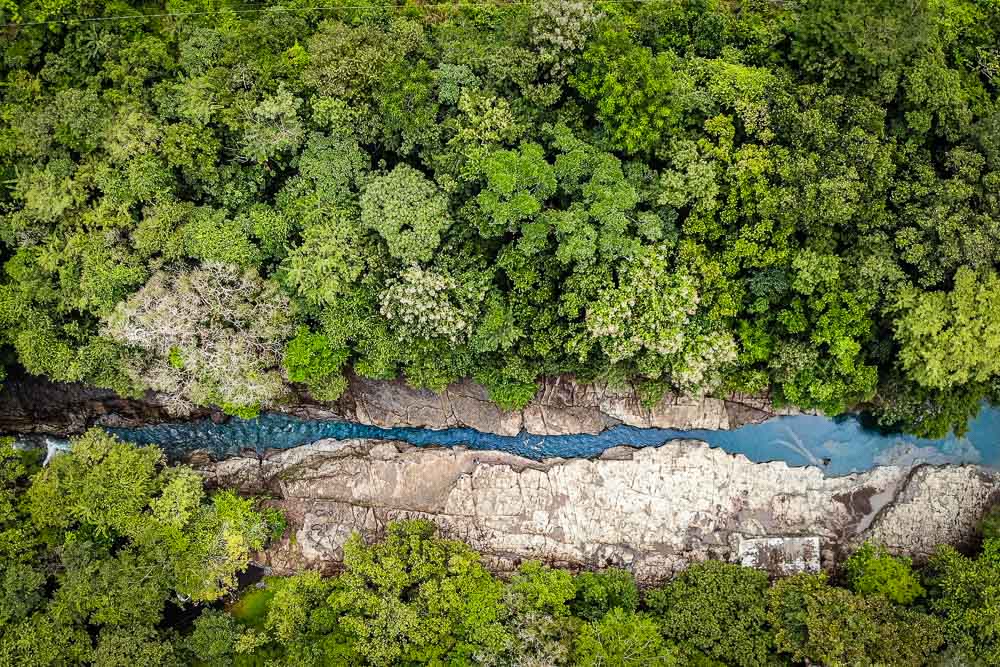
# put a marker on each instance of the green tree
(719, 608)
(312, 359)
(635, 91)
(122, 537)
(963, 591)
(871, 570)
(623, 639)
(597, 593)
(948, 338)
(650, 319)
(408, 211)
(327, 265)
(539, 616)
(820, 623)
(413, 597)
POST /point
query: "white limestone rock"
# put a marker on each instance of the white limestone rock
(653, 510)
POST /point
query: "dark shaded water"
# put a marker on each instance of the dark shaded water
(839, 446)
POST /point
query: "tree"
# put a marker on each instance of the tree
(428, 305)
(408, 211)
(327, 266)
(210, 335)
(963, 591)
(42, 640)
(108, 490)
(817, 622)
(131, 648)
(272, 127)
(649, 318)
(539, 619)
(125, 536)
(634, 90)
(720, 609)
(312, 359)
(214, 638)
(22, 579)
(413, 597)
(623, 639)
(990, 524)
(949, 338)
(860, 40)
(211, 237)
(598, 593)
(518, 183)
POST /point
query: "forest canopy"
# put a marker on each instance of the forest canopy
(216, 199)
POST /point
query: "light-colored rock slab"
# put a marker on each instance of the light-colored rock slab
(938, 505)
(653, 510)
(781, 555)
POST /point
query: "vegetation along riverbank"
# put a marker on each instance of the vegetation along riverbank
(110, 558)
(214, 200)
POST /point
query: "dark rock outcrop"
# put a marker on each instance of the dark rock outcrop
(35, 405)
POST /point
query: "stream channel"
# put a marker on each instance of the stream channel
(839, 446)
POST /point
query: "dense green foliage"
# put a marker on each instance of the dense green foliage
(696, 195)
(413, 599)
(110, 558)
(100, 545)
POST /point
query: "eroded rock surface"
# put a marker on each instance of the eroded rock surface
(653, 510)
(35, 405)
(562, 406)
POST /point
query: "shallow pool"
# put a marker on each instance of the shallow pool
(839, 446)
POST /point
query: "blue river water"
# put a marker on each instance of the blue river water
(837, 445)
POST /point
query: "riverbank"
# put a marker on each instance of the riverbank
(562, 406)
(652, 510)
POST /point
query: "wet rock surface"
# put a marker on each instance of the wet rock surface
(562, 406)
(652, 510)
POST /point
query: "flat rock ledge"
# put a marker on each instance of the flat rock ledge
(652, 510)
(562, 406)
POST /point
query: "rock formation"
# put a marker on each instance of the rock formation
(653, 510)
(562, 406)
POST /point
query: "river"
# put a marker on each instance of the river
(839, 446)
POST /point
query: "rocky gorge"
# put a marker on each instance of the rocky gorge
(652, 510)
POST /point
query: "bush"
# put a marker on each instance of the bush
(871, 570)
